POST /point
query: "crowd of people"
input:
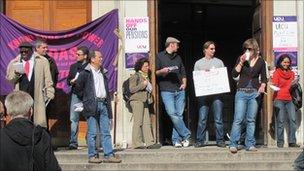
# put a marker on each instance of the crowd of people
(35, 74)
(251, 76)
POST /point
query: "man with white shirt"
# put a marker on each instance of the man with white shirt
(33, 77)
(212, 101)
(92, 89)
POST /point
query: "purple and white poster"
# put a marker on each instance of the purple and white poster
(292, 55)
(131, 58)
(285, 34)
(285, 39)
(96, 35)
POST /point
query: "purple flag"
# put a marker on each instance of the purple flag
(96, 35)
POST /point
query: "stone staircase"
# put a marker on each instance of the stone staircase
(169, 158)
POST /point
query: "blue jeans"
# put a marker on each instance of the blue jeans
(216, 105)
(175, 104)
(74, 118)
(99, 124)
(246, 107)
(285, 108)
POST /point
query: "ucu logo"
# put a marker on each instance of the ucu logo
(278, 18)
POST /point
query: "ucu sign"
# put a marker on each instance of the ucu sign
(278, 18)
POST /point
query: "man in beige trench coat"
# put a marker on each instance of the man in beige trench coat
(30, 72)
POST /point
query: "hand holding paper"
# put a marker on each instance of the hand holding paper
(78, 107)
(18, 67)
(274, 88)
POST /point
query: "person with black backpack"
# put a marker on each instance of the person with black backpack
(283, 105)
(140, 99)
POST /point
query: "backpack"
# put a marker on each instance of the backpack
(126, 93)
(296, 95)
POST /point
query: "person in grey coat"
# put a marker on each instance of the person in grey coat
(141, 98)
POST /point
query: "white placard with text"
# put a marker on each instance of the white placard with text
(214, 81)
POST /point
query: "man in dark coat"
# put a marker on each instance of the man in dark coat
(92, 89)
(75, 69)
(24, 146)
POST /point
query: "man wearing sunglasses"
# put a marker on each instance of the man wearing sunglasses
(81, 57)
(30, 72)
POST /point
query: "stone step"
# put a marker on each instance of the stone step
(186, 155)
(169, 158)
(203, 165)
(181, 156)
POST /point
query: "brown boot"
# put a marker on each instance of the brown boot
(94, 160)
(112, 159)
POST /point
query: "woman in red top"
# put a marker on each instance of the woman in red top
(283, 78)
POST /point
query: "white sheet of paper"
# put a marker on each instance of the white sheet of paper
(18, 67)
(214, 81)
(274, 88)
(76, 76)
(78, 107)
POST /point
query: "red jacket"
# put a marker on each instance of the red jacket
(282, 79)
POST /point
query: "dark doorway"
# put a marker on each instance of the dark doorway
(193, 22)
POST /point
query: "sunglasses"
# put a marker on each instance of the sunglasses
(78, 54)
(24, 51)
(250, 49)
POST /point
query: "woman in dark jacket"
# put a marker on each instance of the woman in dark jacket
(251, 70)
(141, 89)
(283, 78)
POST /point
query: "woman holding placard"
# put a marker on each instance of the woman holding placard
(210, 102)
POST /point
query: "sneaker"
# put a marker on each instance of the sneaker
(240, 146)
(280, 145)
(94, 160)
(154, 146)
(112, 159)
(186, 143)
(140, 147)
(71, 147)
(221, 144)
(99, 150)
(177, 145)
(233, 150)
(199, 144)
(293, 145)
(252, 148)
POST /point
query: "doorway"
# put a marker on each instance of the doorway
(228, 24)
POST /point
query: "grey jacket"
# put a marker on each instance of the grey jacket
(138, 89)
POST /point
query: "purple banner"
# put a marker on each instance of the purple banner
(97, 35)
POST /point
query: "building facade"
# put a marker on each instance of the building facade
(228, 23)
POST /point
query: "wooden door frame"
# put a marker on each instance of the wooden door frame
(266, 50)
(153, 27)
(267, 53)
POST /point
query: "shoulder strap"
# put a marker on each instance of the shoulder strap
(32, 151)
(137, 80)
